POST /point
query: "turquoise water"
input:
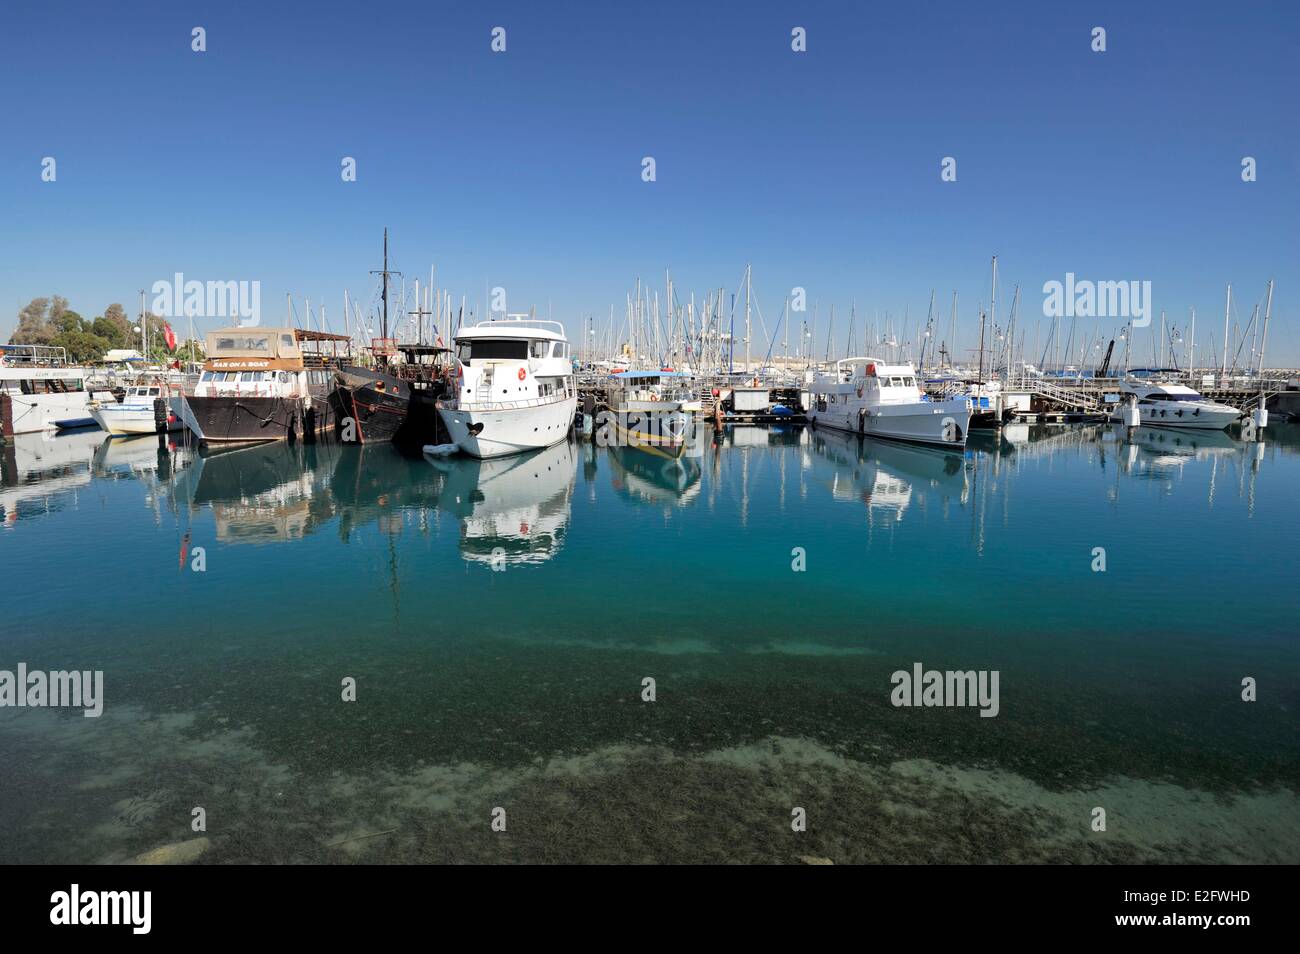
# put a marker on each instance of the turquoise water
(499, 620)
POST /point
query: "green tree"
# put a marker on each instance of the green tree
(82, 346)
(69, 321)
(116, 314)
(37, 321)
(104, 327)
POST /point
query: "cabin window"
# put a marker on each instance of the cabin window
(558, 350)
(206, 376)
(250, 377)
(286, 341)
(479, 349)
(154, 392)
(284, 377)
(538, 349)
(244, 343)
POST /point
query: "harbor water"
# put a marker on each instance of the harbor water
(355, 654)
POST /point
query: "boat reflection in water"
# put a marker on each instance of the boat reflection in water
(888, 477)
(382, 484)
(644, 478)
(41, 472)
(142, 457)
(513, 510)
(267, 493)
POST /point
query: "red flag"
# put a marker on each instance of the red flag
(170, 336)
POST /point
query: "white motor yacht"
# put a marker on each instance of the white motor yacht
(1175, 405)
(514, 388)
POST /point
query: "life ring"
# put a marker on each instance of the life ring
(522, 374)
(654, 397)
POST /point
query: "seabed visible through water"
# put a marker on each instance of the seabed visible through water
(499, 620)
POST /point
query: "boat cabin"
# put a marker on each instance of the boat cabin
(270, 362)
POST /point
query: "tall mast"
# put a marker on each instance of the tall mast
(952, 326)
(1263, 341)
(830, 333)
(385, 273)
(1227, 309)
(1191, 346)
(421, 309)
(749, 271)
(993, 313)
(785, 344)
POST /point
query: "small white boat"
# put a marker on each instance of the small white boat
(868, 397)
(136, 414)
(1175, 405)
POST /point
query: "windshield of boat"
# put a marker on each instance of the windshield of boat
(1174, 397)
(491, 349)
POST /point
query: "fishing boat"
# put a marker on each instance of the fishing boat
(402, 378)
(514, 388)
(866, 396)
(374, 400)
(262, 384)
(1176, 405)
(41, 391)
(652, 411)
(143, 409)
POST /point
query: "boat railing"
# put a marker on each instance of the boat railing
(654, 394)
(458, 405)
(28, 355)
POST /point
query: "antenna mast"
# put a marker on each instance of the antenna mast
(385, 273)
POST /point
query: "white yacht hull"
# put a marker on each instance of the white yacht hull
(942, 423)
(486, 432)
(33, 413)
(1211, 419)
(120, 419)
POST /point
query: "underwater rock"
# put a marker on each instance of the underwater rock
(178, 853)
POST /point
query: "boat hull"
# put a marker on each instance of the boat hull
(669, 433)
(937, 423)
(122, 419)
(1208, 419)
(229, 419)
(32, 413)
(485, 432)
(376, 403)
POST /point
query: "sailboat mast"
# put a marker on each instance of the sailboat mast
(749, 284)
(1227, 310)
(1263, 341)
(993, 314)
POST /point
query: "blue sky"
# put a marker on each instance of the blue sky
(523, 169)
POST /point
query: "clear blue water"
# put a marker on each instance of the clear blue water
(499, 620)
